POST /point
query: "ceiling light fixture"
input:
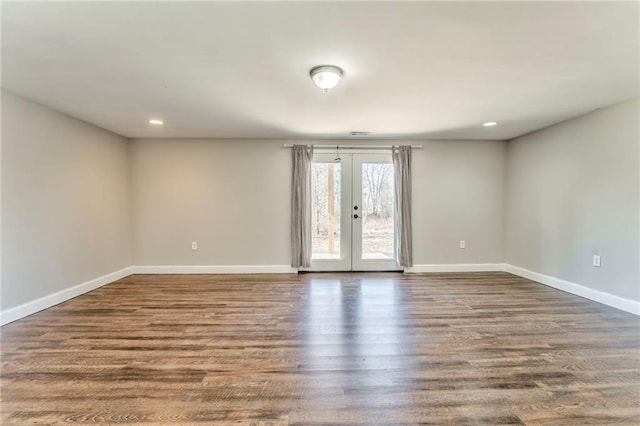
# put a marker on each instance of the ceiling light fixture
(490, 124)
(326, 76)
(155, 121)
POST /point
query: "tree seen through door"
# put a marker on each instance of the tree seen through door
(377, 211)
(325, 220)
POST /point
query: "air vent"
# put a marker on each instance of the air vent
(359, 133)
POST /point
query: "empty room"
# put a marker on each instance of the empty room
(305, 212)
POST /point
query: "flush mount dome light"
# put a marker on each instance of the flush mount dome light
(326, 76)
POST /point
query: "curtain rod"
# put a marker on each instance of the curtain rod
(354, 146)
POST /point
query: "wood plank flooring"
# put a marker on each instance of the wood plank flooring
(361, 348)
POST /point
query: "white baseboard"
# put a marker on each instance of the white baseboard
(45, 302)
(34, 306)
(26, 309)
(456, 267)
(214, 269)
(627, 305)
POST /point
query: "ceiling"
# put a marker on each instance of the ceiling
(434, 70)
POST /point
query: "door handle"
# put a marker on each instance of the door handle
(355, 216)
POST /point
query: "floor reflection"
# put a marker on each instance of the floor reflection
(353, 336)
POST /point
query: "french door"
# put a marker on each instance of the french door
(352, 213)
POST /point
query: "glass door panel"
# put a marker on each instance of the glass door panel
(377, 211)
(373, 230)
(330, 220)
(325, 220)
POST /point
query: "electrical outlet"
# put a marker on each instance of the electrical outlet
(194, 245)
(596, 260)
(463, 244)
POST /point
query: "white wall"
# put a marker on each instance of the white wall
(65, 202)
(458, 194)
(233, 198)
(573, 191)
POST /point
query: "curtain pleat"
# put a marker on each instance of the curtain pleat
(402, 205)
(302, 156)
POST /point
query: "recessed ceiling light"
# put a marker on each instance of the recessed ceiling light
(359, 133)
(155, 121)
(490, 124)
(326, 76)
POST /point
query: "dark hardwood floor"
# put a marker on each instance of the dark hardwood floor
(361, 348)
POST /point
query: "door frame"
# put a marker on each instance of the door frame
(357, 262)
(344, 263)
(348, 231)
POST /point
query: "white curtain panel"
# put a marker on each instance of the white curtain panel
(302, 156)
(402, 205)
